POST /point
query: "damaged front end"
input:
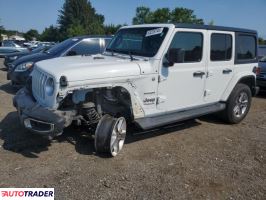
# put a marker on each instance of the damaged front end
(81, 107)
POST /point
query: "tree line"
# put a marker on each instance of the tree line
(79, 17)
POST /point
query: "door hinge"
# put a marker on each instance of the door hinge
(161, 78)
(161, 99)
(209, 74)
(207, 93)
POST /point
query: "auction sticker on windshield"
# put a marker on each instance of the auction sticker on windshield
(154, 32)
(27, 193)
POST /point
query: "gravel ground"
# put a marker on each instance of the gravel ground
(199, 159)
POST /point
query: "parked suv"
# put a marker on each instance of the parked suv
(261, 73)
(14, 56)
(149, 75)
(261, 51)
(21, 68)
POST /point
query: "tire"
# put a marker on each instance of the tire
(110, 135)
(238, 104)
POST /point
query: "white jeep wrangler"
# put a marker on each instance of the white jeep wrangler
(149, 75)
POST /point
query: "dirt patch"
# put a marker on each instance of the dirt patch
(197, 159)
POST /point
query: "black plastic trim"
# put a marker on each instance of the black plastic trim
(160, 120)
(252, 84)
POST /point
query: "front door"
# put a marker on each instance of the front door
(182, 85)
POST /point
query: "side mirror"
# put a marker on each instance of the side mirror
(71, 53)
(175, 56)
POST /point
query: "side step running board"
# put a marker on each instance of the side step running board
(160, 120)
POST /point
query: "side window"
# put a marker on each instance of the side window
(246, 47)
(87, 46)
(190, 44)
(221, 47)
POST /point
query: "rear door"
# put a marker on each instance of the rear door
(220, 64)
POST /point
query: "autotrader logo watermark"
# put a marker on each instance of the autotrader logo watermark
(26, 193)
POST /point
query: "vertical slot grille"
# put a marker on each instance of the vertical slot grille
(38, 82)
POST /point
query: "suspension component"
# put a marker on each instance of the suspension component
(90, 114)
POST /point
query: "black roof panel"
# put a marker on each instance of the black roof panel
(210, 27)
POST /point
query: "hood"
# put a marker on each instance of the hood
(32, 58)
(20, 53)
(78, 68)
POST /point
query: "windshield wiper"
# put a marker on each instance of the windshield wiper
(129, 52)
(131, 56)
(111, 50)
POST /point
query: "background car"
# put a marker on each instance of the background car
(10, 46)
(261, 75)
(10, 43)
(31, 44)
(14, 56)
(4, 51)
(21, 68)
(261, 51)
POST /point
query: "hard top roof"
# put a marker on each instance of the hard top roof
(194, 26)
(210, 27)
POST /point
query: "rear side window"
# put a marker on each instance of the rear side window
(190, 43)
(246, 47)
(221, 47)
(86, 47)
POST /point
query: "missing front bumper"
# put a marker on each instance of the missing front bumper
(38, 119)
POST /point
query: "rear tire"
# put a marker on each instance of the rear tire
(238, 104)
(110, 135)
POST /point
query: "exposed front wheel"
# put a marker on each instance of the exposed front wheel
(238, 104)
(110, 135)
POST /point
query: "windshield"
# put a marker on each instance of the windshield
(138, 41)
(38, 49)
(58, 48)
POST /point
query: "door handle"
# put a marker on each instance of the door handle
(227, 71)
(198, 74)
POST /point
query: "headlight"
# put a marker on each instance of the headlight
(11, 66)
(49, 87)
(24, 67)
(13, 57)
